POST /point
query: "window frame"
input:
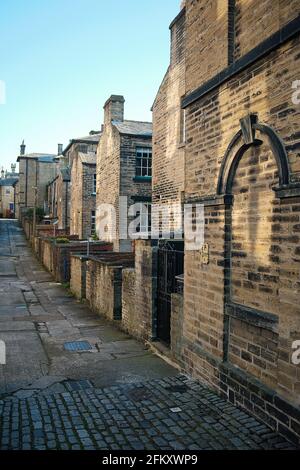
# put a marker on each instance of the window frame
(93, 222)
(94, 184)
(143, 162)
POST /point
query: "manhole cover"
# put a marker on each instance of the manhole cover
(177, 388)
(78, 346)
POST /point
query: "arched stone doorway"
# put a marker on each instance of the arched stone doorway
(254, 176)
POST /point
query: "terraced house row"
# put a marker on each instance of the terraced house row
(225, 137)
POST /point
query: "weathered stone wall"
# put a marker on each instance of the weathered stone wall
(63, 203)
(39, 174)
(146, 287)
(130, 186)
(241, 310)
(256, 21)
(206, 40)
(130, 315)
(104, 289)
(108, 176)
(83, 200)
(265, 269)
(168, 126)
(78, 276)
(76, 197)
(139, 287)
(56, 256)
(88, 199)
(6, 198)
(176, 326)
(48, 255)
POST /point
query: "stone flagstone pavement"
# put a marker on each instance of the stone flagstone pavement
(115, 395)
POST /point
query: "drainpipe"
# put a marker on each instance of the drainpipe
(26, 182)
(66, 206)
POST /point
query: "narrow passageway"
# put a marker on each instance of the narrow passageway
(74, 381)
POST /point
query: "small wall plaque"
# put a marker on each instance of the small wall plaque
(204, 254)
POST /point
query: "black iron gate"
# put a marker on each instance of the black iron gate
(170, 265)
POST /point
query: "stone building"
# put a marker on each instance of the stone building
(7, 197)
(124, 169)
(81, 156)
(36, 170)
(16, 186)
(227, 116)
(59, 202)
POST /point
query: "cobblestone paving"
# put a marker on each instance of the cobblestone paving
(172, 413)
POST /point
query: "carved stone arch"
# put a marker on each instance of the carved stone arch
(238, 145)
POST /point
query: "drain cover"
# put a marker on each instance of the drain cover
(78, 346)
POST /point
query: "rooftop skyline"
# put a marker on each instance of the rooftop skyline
(55, 90)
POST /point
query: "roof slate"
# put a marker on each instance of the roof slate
(41, 157)
(8, 181)
(88, 158)
(134, 127)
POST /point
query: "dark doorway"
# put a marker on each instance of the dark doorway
(170, 265)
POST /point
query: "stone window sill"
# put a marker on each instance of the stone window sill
(142, 179)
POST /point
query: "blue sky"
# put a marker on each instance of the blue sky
(61, 59)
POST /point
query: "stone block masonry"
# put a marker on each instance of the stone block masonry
(235, 325)
(104, 283)
(78, 276)
(139, 292)
(130, 319)
(56, 256)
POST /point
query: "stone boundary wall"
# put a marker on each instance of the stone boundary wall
(78, 275)
(130, 318)
(104, 283)
(56, 256)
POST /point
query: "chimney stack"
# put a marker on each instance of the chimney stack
(114, 109)
(13, 168)
(22, 148)
(59, 149)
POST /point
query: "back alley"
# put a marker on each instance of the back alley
(111, 394)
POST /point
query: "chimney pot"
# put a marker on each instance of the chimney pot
(59, 149)
(22, 148)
